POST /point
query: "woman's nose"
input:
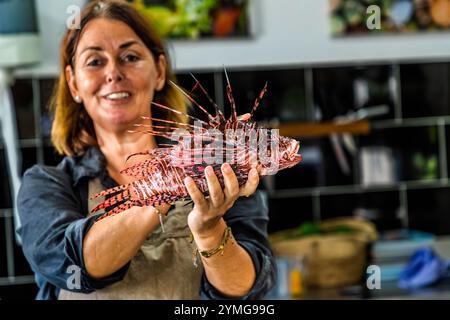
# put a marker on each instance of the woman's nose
(114, 73)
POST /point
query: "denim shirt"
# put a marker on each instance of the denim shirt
(52, 204)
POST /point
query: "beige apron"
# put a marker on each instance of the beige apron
(161, 269)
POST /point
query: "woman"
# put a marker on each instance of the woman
(111, 68)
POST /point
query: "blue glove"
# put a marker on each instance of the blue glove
(424, 268)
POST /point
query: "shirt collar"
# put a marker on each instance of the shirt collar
(91, 164)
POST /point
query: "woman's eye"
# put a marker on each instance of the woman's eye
(94, 63)
(130, 58)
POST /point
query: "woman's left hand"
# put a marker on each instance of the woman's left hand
(205, 216)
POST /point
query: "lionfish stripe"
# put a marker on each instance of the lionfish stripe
(216, 107)
(140, 170)
(179, 112)
(144, 153)
(233, 116)
(110, 191)
(151, 132)
(258, 100)
(153, 201)
(124, 206)
(167, 121)
(112, 201)
(210, 117)
(165, 127)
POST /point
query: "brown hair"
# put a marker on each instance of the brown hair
(73, 130)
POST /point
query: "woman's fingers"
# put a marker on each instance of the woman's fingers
(196, 194)
(215, 190)
(231, 183)
(251, 185)
(244, 117)
(218, 197)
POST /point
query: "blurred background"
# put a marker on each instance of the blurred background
(363, 85)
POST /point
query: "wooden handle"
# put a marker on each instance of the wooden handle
(323, 128)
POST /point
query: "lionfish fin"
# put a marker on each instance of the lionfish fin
(143, 153)
(124, 206)
(210, 117)
(167, 121)
(152, 132)
(142, 169)
(110, 191)
(179, 112)
(258, 100)
(156, 200)
(216, 107)
(118, 198)
(233, 116)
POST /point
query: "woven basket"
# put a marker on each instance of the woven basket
(331, 260)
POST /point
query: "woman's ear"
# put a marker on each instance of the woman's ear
(70, 78)
(161, 76)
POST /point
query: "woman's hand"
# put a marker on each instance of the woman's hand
(205, 217)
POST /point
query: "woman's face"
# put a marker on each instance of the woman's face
(115, 74)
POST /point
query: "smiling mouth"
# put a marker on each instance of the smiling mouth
(117, 96)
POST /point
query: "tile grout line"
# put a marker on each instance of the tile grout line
(397, 92)
(5, 281)
(37, 120)
(403, 198)
(442, 150)
(316, 206)
(9, 245)
(309, 92)
(218, 90)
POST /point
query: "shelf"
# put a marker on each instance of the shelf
(32, 143)
(410, 122)
(353, 189)
(303, 129)
(6, 213)
(323, 129)
(7, 281)
(299, 95)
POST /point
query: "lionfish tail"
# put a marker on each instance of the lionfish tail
(122, 207)
(109, 191)
(125, 202)
(118, 198)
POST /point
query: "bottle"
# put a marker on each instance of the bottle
(297, 287)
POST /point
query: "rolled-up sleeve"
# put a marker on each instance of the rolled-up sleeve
(53, 228)
(248, 219)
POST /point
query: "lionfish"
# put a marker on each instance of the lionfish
(159, 178)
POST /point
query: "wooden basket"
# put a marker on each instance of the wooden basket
(331, 260)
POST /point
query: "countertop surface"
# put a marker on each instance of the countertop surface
(389, 289)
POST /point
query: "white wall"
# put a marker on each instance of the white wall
(288, 32)
(52, 17)
(297, 31)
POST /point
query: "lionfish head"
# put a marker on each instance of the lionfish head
(281, 155)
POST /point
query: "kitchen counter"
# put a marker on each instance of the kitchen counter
(389, 289)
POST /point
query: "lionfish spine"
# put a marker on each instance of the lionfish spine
(157, 187)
